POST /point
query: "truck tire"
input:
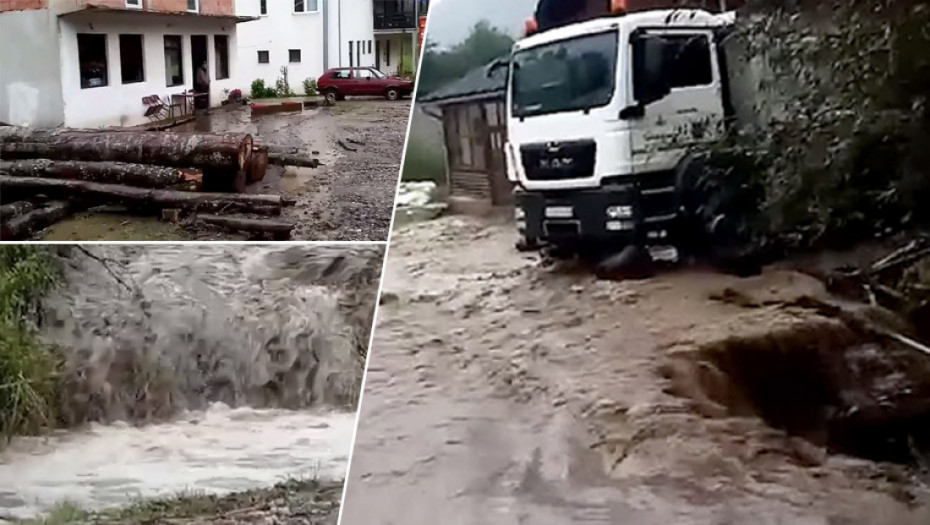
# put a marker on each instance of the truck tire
(633, 262)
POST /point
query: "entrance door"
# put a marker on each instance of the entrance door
(199, 57)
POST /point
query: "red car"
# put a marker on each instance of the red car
(336, 83)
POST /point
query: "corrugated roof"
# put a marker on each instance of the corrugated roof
(475, 84)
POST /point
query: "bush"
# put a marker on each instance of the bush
(258, 88)
(282, 87)
(28, 369)
(310, 87)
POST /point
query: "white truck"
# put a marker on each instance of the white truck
(601, 118)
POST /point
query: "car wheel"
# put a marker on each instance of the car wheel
(392, 94)
(331, 96)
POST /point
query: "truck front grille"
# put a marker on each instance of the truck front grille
(559, 160)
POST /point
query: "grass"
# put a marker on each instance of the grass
(300, 495)
(28, 369)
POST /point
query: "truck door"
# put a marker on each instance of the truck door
(692, 112)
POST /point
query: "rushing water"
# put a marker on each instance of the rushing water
(158, 343)
(218, 450)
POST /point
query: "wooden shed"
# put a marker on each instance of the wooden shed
(474, 125)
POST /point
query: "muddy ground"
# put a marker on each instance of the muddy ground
(501, 390)
(349, 198)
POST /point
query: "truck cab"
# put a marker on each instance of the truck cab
(601, 113)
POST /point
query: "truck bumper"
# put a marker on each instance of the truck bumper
(613, 216)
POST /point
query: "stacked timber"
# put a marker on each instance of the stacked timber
(199, 173)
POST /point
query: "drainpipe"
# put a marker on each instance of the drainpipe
(339, 33)
(325, 35)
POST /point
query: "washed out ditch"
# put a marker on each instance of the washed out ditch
(200, 371)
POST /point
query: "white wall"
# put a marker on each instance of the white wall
(121, 104)
(30, 88)
(278, 32)
(350, 21)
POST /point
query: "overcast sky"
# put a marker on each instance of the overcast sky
(450, 20)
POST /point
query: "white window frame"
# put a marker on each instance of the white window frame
(131, 5)
(196, 8)
(305, 11)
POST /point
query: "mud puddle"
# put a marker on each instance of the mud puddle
(496, 382)
(217, 451)
(114, 227)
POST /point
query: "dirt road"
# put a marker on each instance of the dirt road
(503, 391)
(349, 198)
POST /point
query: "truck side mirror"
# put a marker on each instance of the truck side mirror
(650, 67)
(494, 66)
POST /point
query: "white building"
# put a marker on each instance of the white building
(306, 36)
(397, 34)
(88, 63)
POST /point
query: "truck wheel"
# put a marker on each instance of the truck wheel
(392, 94)
(633, 262)
(331, 96)
(527, 244)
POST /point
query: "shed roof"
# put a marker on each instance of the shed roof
(476, 84)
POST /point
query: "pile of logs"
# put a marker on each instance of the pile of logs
(47, 174)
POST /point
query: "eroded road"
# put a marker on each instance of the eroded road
(503, 391)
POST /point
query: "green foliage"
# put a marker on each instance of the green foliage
(260, 91)
(282, 88)
(28, 369)
(310, 88)
(423, 162)
(843, 119)
(483, 44)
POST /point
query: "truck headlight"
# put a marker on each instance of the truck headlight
(619, 212)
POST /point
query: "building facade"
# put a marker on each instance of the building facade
(89, 63)
(396, 27)
(305, 36)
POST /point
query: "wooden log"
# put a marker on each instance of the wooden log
(147, 197)
(15, 209)
(141, 175)
(287, 159)
(259, 164)
(229, 151)
(22, 226)
(279, 229)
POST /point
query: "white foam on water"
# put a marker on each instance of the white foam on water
(219, 450)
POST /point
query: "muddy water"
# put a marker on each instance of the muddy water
(215, 451)
(165, 337)
(504, 391)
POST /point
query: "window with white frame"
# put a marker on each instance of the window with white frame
(134, 4)
(193, 6)
(306, 6)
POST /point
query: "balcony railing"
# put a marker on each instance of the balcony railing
(398, 14)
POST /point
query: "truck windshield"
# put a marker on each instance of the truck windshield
(568, 75)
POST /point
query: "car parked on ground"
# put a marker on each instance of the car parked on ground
(340, 82)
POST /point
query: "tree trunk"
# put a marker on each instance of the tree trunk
(280, 229)
(15, 209)
(146, 197)
(286, 159)
(230, 151)
(141, 175)
(23, 226)
(259, 164)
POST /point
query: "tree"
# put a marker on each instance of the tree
(483, 44)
